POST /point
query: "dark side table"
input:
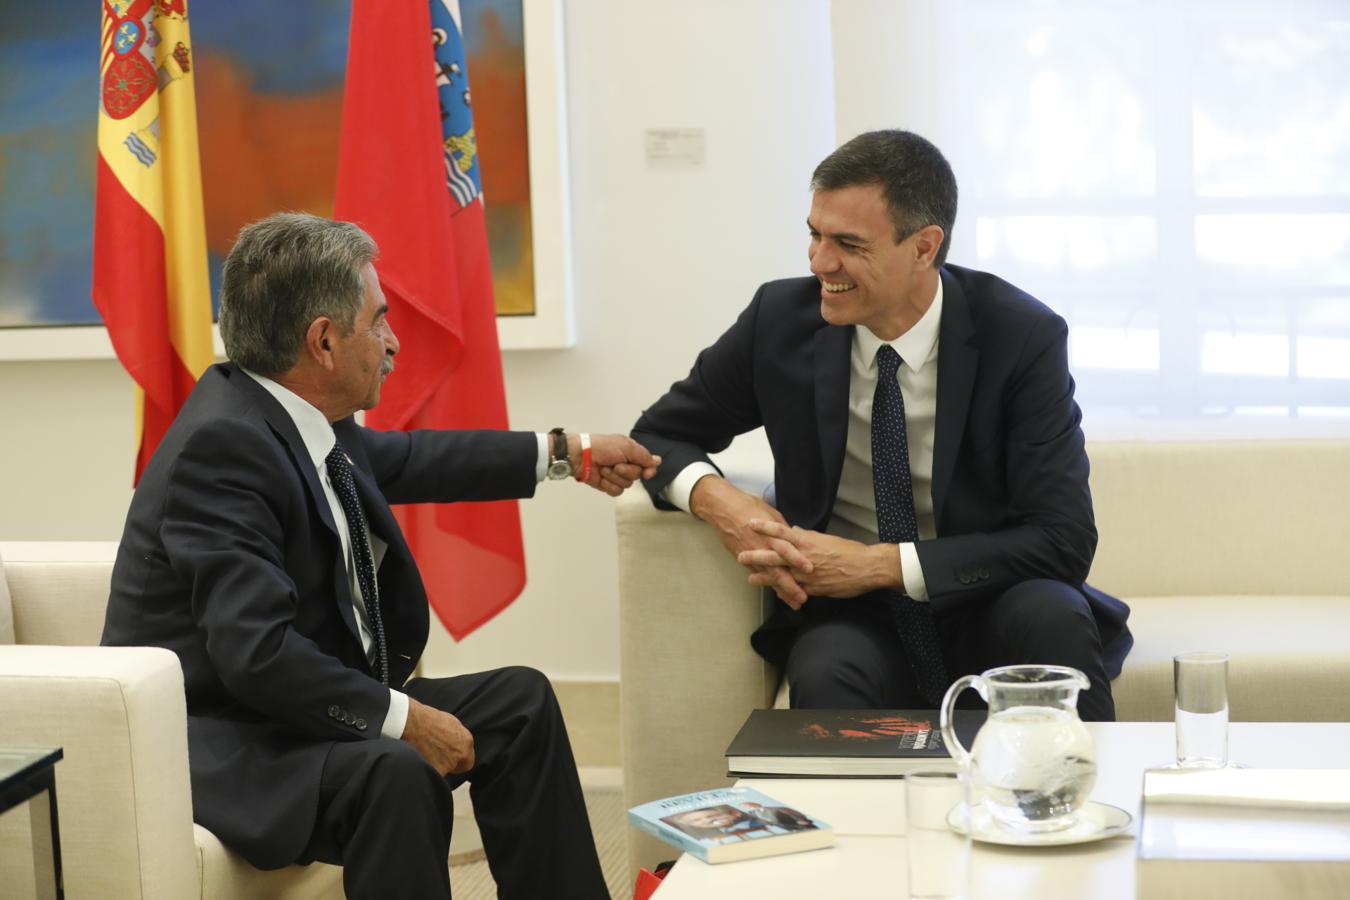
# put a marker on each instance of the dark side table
(25, 772)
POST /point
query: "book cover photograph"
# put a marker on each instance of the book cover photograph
(843, 743)
(728, 824)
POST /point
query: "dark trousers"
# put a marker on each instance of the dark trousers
(848, 655)
(385, 814)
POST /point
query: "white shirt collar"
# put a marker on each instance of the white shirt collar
(312, 424)
(914, 346)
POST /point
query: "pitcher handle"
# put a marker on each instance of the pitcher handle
(959, 752)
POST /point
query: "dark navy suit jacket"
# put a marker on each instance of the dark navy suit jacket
(1010, 475)
(231, 559)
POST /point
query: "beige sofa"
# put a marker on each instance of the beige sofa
(124, 801)
(1233, 546)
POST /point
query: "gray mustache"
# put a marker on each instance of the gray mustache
(387, 366)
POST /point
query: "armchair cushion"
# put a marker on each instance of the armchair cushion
(122, 785)
(58, 590)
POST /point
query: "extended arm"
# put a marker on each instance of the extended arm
(702, 414)
(433, 466)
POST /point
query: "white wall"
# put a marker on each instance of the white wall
(873, 85)
(67, 433)
(664, 260)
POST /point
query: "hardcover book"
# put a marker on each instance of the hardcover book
(843, 743)
(729, 824)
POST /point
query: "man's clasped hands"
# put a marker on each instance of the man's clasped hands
(795, 562)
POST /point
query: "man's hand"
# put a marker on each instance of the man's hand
(731, 510)
(837, 567)
(616, 461)
(441, 738)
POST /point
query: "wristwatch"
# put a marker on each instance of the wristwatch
(559, 464)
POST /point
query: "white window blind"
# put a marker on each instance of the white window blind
(1174, 179)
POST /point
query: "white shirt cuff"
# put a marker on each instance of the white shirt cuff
(541, 467)
(397, 717)
(912, 573)
(682, 485)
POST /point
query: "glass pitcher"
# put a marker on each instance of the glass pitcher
(1033, 763)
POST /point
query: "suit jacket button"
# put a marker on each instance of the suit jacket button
(984, 573)
(334, 712)
(360, 724)
(349, 718)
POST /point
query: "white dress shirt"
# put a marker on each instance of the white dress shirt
(855, 509)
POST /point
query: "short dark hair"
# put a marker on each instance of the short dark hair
(284, 272)
(916, 178)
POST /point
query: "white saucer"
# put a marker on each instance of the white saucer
(1095, 821)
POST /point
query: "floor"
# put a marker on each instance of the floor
(469, 875)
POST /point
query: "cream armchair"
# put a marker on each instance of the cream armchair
(124, 800)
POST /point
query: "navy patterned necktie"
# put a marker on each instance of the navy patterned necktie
(340, 473)
(897, 524)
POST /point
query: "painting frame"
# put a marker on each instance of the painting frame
(550, 326)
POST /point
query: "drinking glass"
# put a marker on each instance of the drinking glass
(938, 856)
(1202, 709)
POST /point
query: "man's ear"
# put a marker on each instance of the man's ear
(320, 340)
(927, 242)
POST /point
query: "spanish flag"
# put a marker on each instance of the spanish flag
(150, 278)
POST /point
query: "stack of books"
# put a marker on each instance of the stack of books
(728, 824)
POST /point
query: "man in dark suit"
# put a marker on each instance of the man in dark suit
(260, 547)
(932, 508)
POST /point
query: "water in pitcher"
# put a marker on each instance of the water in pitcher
(1036, 767)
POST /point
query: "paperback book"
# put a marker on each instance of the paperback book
(729, 824)
(843, 743)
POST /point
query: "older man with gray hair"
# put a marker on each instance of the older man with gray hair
(260, 548)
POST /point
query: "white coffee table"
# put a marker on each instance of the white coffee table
(868, 859)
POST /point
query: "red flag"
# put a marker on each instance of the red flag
(150, 283)
(407, 174)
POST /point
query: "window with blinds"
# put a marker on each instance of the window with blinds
(1174, 179)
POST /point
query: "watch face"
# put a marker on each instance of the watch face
(559, 469)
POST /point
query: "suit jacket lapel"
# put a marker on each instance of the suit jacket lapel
(281, 423)
(284, 427)
(830, 358)
(957, 364)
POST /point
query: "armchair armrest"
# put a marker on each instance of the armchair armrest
(688, 674)
(123, 791)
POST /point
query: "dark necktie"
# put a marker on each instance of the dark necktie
(340, 473)
(897, 524)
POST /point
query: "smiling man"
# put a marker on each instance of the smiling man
(932, 512)
(260, 548)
